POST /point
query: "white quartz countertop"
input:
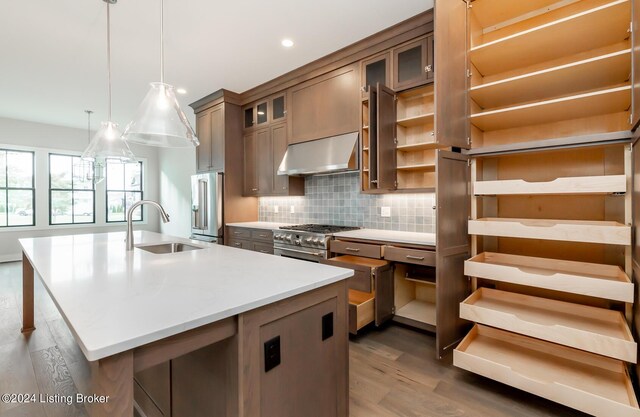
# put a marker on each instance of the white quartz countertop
(114, 300)
(413, 238)
(260, 225)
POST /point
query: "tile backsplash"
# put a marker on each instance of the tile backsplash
(336, 199)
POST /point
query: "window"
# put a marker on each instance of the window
(17, 191)
(71, 193)
(124, 187)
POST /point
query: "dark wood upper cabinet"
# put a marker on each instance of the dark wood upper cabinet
(386, 138)
(451, 81)
(375, 70)
(279, 148)
(324, 106)
(250, 164)
(210, 127)
(264, 161)
(372, 130)
(413, 63)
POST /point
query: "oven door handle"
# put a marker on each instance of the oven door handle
(301, 251)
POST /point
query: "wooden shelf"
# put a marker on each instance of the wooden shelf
(586, 231)
(416, 120)
(594, 280)
(562, 37)
(419, 310)
(365, 127)
(593, 103)
(365, 149)
(581, 380)
(604, 184)
(587, 328)
(418, 167)
(410, 147)
(583, 75)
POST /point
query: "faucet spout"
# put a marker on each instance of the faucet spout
(163, 215)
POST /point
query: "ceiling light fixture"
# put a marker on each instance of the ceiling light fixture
(287, 43)
(181, 91)
(107, 142)
(160, 121)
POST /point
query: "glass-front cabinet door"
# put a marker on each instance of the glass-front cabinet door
(413, 64)
(374, 71)
(278, 108)
(249, 117)
(262, 113)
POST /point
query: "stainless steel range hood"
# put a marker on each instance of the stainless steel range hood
(321, 156)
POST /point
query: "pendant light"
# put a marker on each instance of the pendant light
(107, 142)
(160, 121)
(83, 169)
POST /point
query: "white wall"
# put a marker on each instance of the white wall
(43, 138)
(176, 168)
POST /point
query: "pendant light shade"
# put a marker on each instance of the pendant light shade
(160, 121)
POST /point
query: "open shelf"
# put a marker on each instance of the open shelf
(585, 381)
(586, 74)
(491, 14)
(421, 146)
(587, 328)
(416, 120)
(587, 231)
(603, 184)
(565, 36)
(593, 103)
(419, 310)
(417, 167)
(594, 280)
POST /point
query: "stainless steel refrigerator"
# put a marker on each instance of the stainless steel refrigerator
(206, 207)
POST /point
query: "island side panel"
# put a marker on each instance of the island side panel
(112, 378)
(27, 295)
(320, 367)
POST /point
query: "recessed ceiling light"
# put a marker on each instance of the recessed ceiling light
(287, 43)
(181, 91)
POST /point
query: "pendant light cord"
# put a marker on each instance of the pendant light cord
(89, 123)
(162, 41)
(109, 57)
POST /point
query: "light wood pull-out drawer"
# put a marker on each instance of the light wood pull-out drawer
(591, 329)
(361, 310)
(263, 235)
(241, 244)
(362, 279)
(239, 233)
(359, 249)
(586, 231)
(411, 256)
(595, 280)
(605, 184)
(585, 381)
(262, 247)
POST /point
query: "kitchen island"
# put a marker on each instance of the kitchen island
(270, 321)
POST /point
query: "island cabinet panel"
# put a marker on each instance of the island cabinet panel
(324, 106)
(152, 390)
(295, 356)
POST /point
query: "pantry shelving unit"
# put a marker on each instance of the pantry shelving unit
(549, 94)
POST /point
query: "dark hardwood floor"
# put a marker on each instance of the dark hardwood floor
(393, 371)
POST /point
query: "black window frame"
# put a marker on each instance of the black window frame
(107, 191)
(72, 190)
(6, 189)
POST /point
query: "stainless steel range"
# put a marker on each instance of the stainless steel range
(306, 241)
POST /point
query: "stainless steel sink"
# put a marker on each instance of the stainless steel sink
(169, 247)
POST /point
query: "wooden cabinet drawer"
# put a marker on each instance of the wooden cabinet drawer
(361, 310)
(241, 244)
(263, 247)
(239, 233)
(263, 235)
(410, 256)
(359, 249)
(551, 371)
(362, 279)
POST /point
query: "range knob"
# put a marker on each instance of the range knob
(316, 241)
(308, 240)
(298, 242)
(277, 237)
(289, 238)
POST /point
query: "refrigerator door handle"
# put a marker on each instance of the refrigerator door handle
(204, 203)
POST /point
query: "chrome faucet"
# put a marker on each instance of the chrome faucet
(163, 215)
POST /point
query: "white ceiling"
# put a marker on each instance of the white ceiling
(53, 53)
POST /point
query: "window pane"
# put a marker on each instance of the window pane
(20, 203)
(61, 202)
(3, 169)
(3, 208)
(131, 199)
(60, 170)
(115, 175)
(83, 206)
(20, 167)
(82, 174)
(132, 177)
(115, 206)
